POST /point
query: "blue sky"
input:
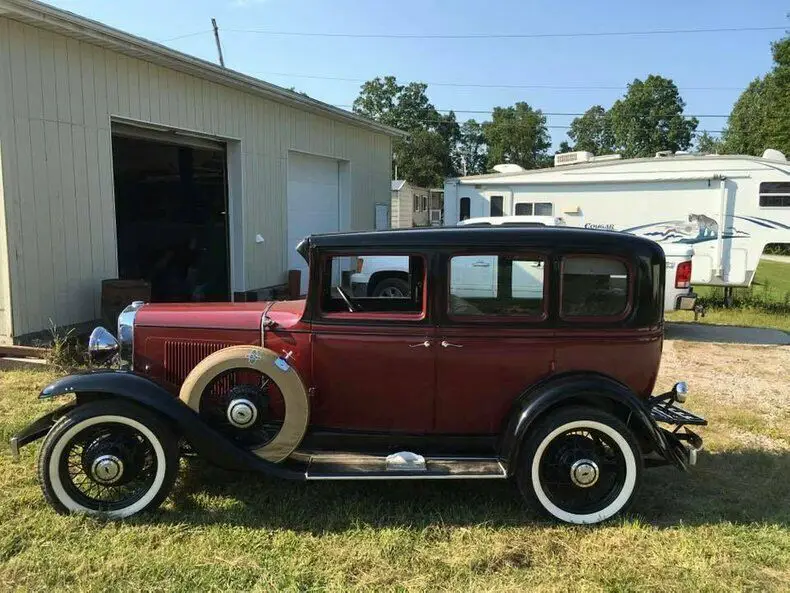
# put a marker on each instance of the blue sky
(730, 60)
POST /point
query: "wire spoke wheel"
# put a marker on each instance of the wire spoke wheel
(245, 405)
(107, 466)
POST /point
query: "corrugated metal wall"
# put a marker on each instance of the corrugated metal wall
(57, 96)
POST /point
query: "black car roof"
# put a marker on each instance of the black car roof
(481, 236)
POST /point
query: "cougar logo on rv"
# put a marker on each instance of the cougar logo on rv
(600, 227)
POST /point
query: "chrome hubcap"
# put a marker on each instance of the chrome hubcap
(107, 469)
(242, 413)
(584, 473)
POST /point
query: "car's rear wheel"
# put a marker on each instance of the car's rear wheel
(580, 465)
(108, 458)
(392, 288)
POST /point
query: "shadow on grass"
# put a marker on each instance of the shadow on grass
(740, 487)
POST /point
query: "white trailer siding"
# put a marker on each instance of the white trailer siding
(58, 97)
(710, 202)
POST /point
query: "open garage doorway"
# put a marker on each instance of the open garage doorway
(171, 211)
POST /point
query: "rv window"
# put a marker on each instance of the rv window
(775, 194)
(593, 287)
(466, 208)
(496, 285)
(497, 206)
(523, 209)
(544, 209)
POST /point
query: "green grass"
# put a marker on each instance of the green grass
(722, 527)
(764, 304)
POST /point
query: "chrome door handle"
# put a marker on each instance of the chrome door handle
(425, 344)
(446, 344)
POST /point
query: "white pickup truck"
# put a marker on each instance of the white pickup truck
(387, 276)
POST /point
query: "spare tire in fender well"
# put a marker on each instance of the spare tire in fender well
(208, 443)
(590, 389)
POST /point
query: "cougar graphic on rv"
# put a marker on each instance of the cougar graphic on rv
(726, 207)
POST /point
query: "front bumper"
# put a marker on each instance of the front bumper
(682, 444)
(37, 429)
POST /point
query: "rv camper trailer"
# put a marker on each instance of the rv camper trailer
(728, 207)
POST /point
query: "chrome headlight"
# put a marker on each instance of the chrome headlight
(681, 390)
(126, 334)
(102, 345)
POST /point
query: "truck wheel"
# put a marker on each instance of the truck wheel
(580, 465)
(108, 458)
(393, 288)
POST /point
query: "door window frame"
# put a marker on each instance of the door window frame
(370, 317)
(496, 319)
(629, 305)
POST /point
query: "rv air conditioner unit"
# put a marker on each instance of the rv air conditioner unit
(571, 158)
(508, 168)
(774, 155)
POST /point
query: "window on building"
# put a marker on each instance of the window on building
(465, 208)
(524, 209)
(348, 286)
(534, 208)
(416, 203)
(424, 203)
(775, 194)
(497, 206)
(593, 287)
(544, 209)
(496, 285)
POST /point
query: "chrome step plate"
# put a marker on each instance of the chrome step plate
(338, 466)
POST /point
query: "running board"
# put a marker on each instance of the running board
(401, 466)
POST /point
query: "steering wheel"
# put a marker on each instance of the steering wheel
(352, 308)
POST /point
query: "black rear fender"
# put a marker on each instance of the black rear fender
(204, 440)
(588, 389)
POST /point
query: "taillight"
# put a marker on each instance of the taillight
(360, 263)
(683, 275)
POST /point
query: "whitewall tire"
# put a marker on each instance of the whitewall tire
(108, 458)
(580, 465)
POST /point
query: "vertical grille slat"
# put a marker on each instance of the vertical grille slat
(181, 356)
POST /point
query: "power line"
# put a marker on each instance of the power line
(506, 35)
(556, 114)
(494, 86)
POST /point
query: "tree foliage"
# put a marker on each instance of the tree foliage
(760, 118)
(649, 118)
(471, 153)
(517, 135)
(707, 144)
(593, 131)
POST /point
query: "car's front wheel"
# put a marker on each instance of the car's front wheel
(108, 458)
(580, 465)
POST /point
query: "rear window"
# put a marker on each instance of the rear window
(594, 287)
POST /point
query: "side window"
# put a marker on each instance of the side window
(497, 206)
(465, 208)
(371, 284)
(593, 287)
(416, 203)
(544, 209)
(524, 209)
(496, 285)
(775, 194)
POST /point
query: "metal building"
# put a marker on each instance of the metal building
(120, 158)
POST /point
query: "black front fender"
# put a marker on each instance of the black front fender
(587, 389)
(207, 442)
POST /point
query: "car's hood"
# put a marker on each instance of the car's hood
(218, 315)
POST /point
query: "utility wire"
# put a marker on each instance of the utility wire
(489, 35)
(557, 114)
(505, 35)
(496, 86)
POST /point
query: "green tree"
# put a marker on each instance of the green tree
(649, 118)
(593, 131)
(424, 156)
(707, 144)
(517, 135)
(471, 153)
(564, 147)
(760, 118)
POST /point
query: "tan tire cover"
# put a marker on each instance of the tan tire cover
(297, 408)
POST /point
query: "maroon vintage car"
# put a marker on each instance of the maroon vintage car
(523, 352)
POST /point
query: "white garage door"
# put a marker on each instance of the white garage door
(313, 203)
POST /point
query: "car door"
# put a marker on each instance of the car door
(374, 368)
(492, 346)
